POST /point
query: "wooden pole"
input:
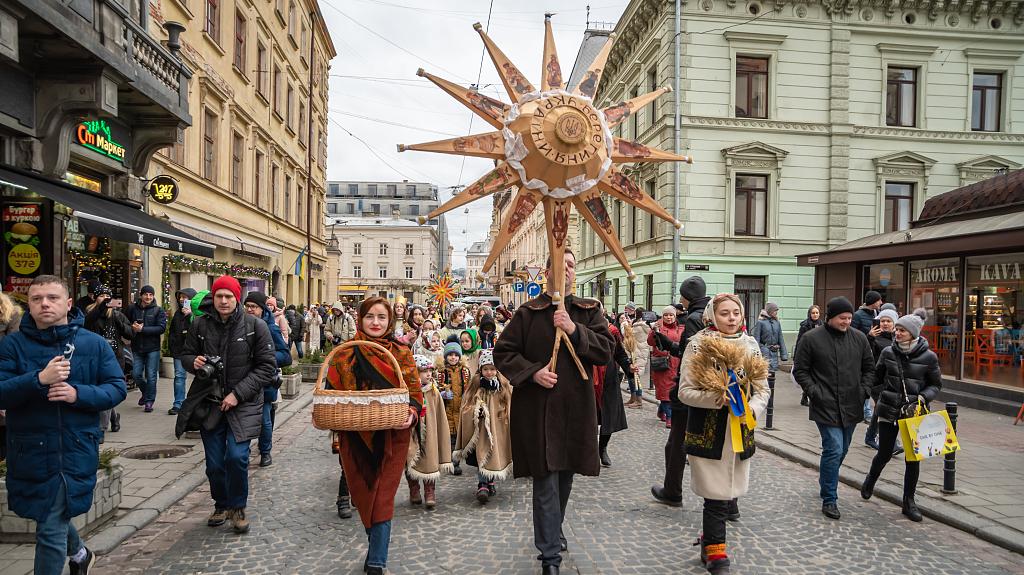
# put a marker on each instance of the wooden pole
(556, 214)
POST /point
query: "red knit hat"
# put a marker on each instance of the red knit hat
(229, 283)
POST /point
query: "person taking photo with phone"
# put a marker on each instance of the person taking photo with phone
(149, 322)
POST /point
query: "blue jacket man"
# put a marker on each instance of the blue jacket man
(256, 305)
(55, 379)
(149, 322)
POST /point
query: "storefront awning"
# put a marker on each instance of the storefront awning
(209, 236)
(102, 216)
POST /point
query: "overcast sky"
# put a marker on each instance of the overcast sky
(377, 97)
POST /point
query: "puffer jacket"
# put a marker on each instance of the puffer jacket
(246, 371)
(154, 323)
(836, 371)
(862, 319)
(50, 442)
(180, 323)
(918, 369)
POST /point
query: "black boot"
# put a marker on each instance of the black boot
(867, 489)
(804, 401)
(549, 570)
(910, 509)
(458, 469)
(603, 450)
(115, 421)
(605, 460)
(344, 502)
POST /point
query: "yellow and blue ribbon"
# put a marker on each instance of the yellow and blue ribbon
(739, 412)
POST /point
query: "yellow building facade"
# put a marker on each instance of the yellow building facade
(251, 169)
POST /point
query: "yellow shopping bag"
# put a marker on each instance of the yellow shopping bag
(927, 435)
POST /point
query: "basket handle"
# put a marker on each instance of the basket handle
(322, 376)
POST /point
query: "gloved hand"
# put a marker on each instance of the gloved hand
(447, 395)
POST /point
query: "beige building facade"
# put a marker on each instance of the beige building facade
(817, 124)
(252, 168)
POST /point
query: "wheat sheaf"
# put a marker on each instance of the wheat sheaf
(715, 356)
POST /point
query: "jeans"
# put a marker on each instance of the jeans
(298, 346)
(379, 536)
(180, 376)
(887, 434)
(665, 407)
(150, 361)
(868, 411)
(227, 466)
(266, 442)
(56, 538)
(634, 386)
(835, 442)
(550, 497)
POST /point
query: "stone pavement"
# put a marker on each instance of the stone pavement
(613, 526)
(989, 478)
(148, 485)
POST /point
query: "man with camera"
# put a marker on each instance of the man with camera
(257, 305)
(231, 354)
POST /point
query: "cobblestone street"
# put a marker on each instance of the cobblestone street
(613, 525)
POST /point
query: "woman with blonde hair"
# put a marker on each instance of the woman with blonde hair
(10, 316)
(629, 344)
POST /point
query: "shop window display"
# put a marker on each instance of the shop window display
(993, 341)
(887, 279)
(935, 286)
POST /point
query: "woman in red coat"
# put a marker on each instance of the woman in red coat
(664, 366)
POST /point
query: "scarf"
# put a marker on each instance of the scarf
(472, 337)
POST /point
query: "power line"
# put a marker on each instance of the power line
(479, 73)
(370, 148)
(390, 123)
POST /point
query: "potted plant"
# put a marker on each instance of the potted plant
(291, 381)
(310, 365)
(106, 499)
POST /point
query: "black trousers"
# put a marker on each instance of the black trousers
(550, 496)
(887, 434)
(715, 512)
(675, 454)
(602, 442)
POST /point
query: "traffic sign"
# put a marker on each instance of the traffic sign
(518, 287)
(533, 289)
(533, 272)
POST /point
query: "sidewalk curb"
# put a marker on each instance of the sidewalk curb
(109, 537)
(933, 507)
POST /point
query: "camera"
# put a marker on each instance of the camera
(214, 365)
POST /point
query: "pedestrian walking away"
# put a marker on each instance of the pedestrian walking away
(149, 322)
(256, 306)
(907, 374)
(724, 381)
(55, 379)
(181, 321)
(835, 368)
(374, 461)
(553, 413)
(231, 354)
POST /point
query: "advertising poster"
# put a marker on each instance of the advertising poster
(23, 245)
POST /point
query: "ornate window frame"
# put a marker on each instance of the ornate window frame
(756, 45)
(906, 56)
(901, 167)
(753, 158)
(1002, 62)
(982, 168)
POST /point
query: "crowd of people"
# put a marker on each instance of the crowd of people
(483, 388)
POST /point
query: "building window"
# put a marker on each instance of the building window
(375, 209)
(257, 180)
(275, 180)
(332, 208)
(357, 271)
(350, 208)
(750, 290)
(649, 291)
(408, 249)
(901, 97)
(632, 224)
(392, 190)
(751, 87)
(240, 42)
(277, 89)
(986, 102)
(212, 28)
(333, 190)
(304, 41)
(751, 217)
(237, 163)
(357, 249)
(652, 85)
(290, 109)
(353, 189)
(899, 206)
(210, 146)
(291, 20)
(414, 210)
(634, 120)
(632, 290)
(382, 272)
(935, 286)
(383, 249)
(371, 190)
(287, 198)
(408, 272)
(262, 71)
(410, 190)
(651, 222)
(302, 124)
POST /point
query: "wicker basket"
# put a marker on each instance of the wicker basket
(369, 410)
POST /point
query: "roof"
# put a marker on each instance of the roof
(997, 192)
(593, 41)
(377, 222)
(478, 248)
(989, 233)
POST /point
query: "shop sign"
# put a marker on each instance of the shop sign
(997, 272)
(95, 135)
(21, 223)
(940, 274)
(163, 189)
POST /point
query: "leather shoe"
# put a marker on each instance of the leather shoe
(115, 422)
(867, 489)
(266, 460)
(659, 494)
(563, 542)
(549, 570)
(910, 509)
(830, 510)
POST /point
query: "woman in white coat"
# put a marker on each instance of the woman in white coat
(313, 323)
(719, 443)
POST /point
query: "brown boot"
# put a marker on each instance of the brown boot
(428, 494)
(414, 491)
(238, 521)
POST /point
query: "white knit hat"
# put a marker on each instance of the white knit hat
(423, 363)
(486, 357)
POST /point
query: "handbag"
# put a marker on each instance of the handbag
(659, 362)
(928, 435)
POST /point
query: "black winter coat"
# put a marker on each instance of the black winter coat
(693, 323)
(879, 343)
(611, 414)
(836, 371)
(154, 322)
(862, 319)
(179, 327)
(918, 369)
(246, 371)
(113, 327)
(805, 326)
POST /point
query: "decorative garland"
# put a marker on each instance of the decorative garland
(181, 263)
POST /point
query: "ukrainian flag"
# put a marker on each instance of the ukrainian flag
(299, 265)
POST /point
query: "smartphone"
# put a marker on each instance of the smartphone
(115, 303)
(876, 322)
